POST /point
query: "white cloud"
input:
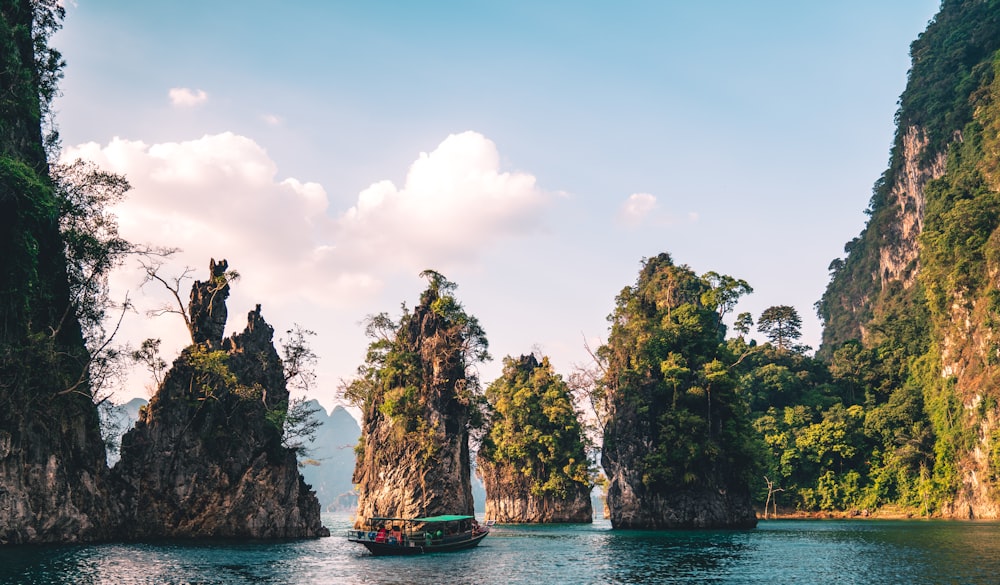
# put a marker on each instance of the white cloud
(271, 119)
(185, 97)
(454, 202)
(636, 208)
(219, 196)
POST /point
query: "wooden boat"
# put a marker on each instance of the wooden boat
(413, 536)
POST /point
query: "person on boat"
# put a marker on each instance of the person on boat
(381, 534)
(397, 534)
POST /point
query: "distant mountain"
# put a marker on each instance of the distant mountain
(333, 451)
(116, 420)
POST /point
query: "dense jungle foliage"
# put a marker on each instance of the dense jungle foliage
(534, 432)
(676, 419)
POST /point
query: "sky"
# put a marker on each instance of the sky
(533, 152)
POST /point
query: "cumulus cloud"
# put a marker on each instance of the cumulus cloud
(644, 209)
(185, 97)
(454, 202)
(220, 196)
(636, 208)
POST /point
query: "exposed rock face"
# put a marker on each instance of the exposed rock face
(926, 262)
(509, 500)
(53, 475)
(207, 308)
(898, 256)
(415, 433)
(631, 506)
(205, 458)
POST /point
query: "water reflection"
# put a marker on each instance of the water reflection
(827, 551)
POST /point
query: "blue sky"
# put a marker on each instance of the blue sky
(533, 152)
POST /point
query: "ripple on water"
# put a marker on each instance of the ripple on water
(814, 551)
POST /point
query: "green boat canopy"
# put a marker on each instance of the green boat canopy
(445, 518)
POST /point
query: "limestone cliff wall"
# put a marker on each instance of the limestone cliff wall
(898, 254)
(54, 484)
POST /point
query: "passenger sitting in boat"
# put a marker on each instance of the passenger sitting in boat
(397, 534)
(381, 534)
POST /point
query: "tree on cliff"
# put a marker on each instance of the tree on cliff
(678, 432)
(534, 451)
(781, 324)
(419, 396)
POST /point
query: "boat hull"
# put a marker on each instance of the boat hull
(386, 549)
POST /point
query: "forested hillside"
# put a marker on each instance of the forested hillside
(911, 311)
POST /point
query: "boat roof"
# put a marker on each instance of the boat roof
(442, 518)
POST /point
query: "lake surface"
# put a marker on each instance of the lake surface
(778, 551)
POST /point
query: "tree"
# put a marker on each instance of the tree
(299, 361)
(781, 324)
(743, 324)
(298, 358)
(723, 292)
(152, 263)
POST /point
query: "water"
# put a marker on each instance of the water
(800, 551)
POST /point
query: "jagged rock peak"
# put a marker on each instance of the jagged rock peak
(207, 308)
(206, 457)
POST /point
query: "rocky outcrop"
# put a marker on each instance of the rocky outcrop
(509, 500)
(630, 505)
(532, 458)
(206, 458)
(676, 441)
(207, 311)
(898, 254)
(415, 432)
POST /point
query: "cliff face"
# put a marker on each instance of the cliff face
(415, 431)
(205, 458)
(53, 475)
(509, 499)
(922, 275)
(532, 460)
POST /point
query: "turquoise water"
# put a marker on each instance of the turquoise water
(801, 551)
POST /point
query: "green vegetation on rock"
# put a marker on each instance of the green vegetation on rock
(534, 432)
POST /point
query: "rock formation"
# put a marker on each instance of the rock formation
(205, 458)
(418, 401)
(676, 442)
(532, 460)
(53, 475)
(920, 280)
